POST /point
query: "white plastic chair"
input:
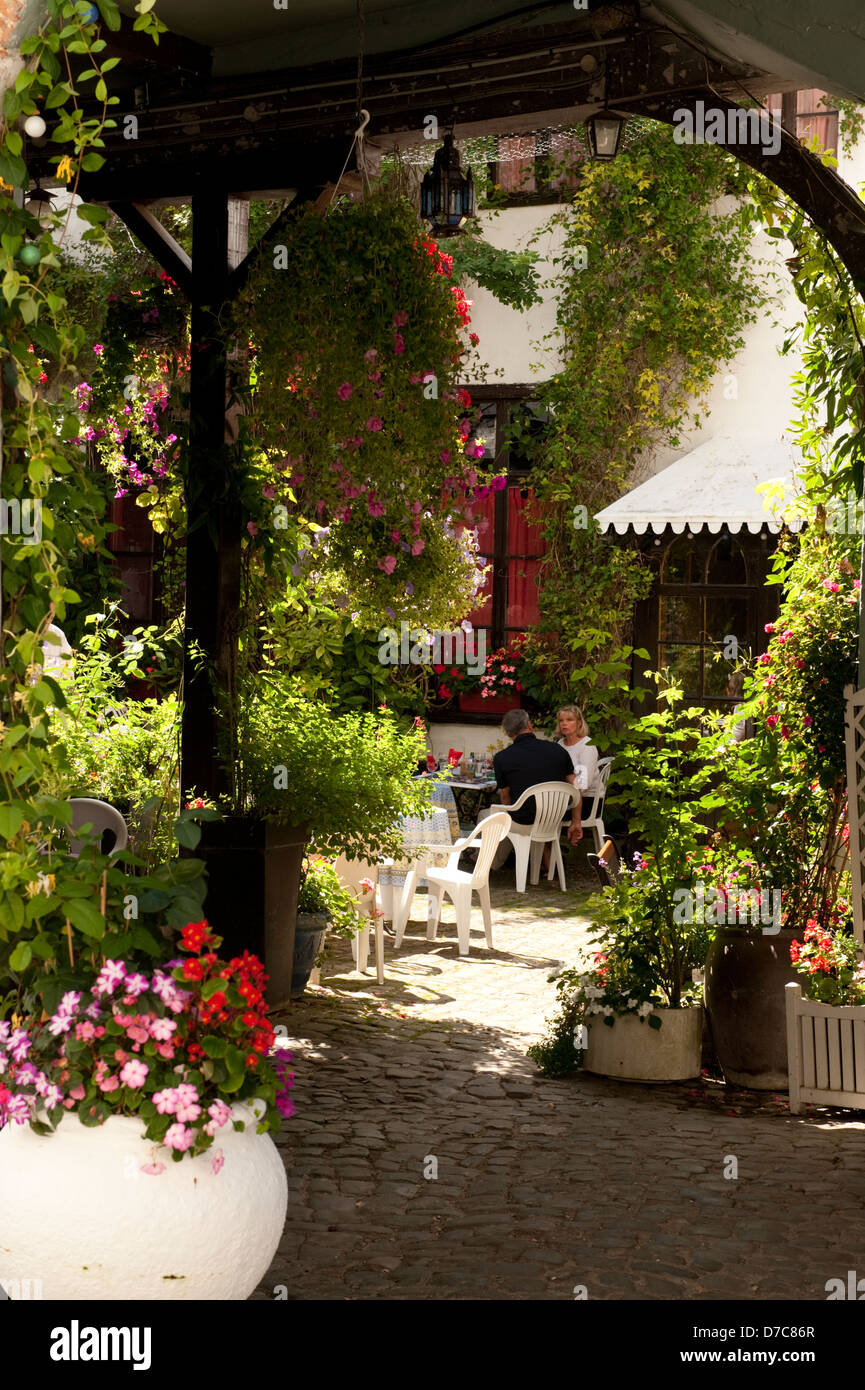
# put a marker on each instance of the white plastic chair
(459, 884)
(595, 822)
(350, 872)
(101, 816)
(552, 800)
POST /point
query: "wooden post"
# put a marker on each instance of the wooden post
(213, 539)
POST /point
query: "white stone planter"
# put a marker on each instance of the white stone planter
(632, 1051)
(88, 1213)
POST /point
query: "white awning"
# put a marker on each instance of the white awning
(713, 486)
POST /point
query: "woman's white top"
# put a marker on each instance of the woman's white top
(584, 756)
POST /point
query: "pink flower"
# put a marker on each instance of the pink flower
(165, 1050)
(375, 508)
(179, 1137)
(162, 1028)
(770, 627)
(857, 583)
(135, 984)
(345, 390)
(217, 1161)
(400, 319)
(498, 484)
(807, 721)
(109, 977)
(98, 348)
(252, 528)
(134, 1074)
(166, 1101)
(375, 423)
(110, 1083)
(765, 659)
(187, 1106)
(388, 564)
(398, 343)
(396, 537)
(772, 720)
(370, 355)
(418, 546)
(445, 456)
(137, 1033)
(220, 1113)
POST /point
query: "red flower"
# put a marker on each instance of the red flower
(193, 970)
(217, 1000)
(194, 936)
(252, 1060)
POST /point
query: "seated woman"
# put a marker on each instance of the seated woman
(575, 739)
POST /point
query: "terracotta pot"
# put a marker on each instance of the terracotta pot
(632, 1051)
(746, 973)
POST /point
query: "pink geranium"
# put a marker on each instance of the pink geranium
(388, 564)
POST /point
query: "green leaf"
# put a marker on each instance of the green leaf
(187, 833)
(110, 13)
(213, 1046)
(21, 956)
(11, 819)
(235, 1060)
(86, 917)
(211, 987)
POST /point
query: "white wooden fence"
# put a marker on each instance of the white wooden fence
(825, 1052)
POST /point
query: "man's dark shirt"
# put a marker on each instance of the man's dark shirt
(530, 760)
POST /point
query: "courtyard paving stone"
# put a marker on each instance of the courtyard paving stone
(541, 1185)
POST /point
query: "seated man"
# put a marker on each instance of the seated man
(528, 761)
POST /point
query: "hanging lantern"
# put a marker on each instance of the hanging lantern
(447, 195)
(604, 134)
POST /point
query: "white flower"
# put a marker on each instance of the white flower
(594, 1008)
(645, 1009)
(632, 1003)
(607, 1011)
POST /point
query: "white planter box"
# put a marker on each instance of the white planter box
(80, 1212)
(825, 1052)
(632, 1051)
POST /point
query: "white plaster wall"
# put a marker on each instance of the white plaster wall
(512, 343)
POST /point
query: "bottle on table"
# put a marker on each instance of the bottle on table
(471, 766)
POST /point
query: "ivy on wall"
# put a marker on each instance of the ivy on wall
(657, 284)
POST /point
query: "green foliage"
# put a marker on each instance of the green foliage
(346, 778)
(783, 791)
(321, 892)
(106, 745)
(657, 286)
(829, 389)
(508, 275)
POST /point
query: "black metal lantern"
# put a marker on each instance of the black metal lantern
(604, 133)
(447, 195)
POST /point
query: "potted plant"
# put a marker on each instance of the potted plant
(303, 776)
(635, 1012)
(636, 1009)
(826, 1014)
(323, 904)
(162, 1181)
(781, 838)
(499, 688)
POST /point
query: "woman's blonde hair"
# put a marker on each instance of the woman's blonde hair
(577, 714)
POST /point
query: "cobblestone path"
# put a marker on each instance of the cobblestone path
(542, 1186)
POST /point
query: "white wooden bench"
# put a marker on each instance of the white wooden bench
(825, 1052)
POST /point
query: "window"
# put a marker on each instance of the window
(813, 115)
(711, 606)
(510, 542)
(536, 168)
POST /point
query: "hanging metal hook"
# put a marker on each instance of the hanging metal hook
(363, 125)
